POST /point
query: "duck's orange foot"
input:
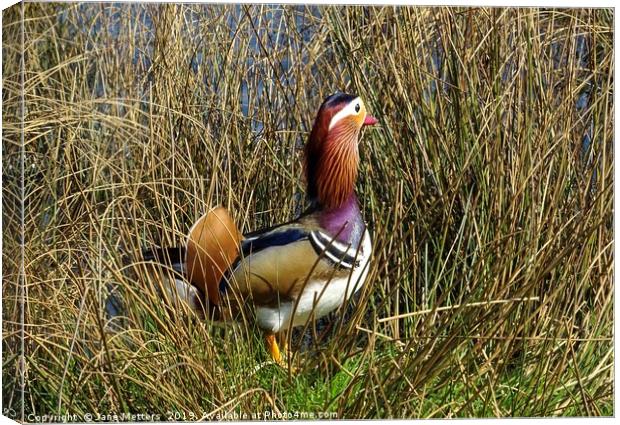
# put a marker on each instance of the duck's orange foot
(272, 346)
(277, 356)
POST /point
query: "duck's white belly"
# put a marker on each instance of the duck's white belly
(319, 297)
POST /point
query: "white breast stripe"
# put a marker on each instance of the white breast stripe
(343, 255)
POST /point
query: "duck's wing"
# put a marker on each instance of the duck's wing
(276, 263)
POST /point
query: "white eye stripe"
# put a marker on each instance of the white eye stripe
(346, 111)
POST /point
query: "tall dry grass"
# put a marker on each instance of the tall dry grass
(488, 188)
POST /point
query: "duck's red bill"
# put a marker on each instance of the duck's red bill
(370, 120)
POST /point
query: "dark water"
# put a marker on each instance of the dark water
(104, 22)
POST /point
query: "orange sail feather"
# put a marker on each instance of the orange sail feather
(212, 246)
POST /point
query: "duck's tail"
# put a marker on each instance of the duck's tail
(211, 247)
(194, 271)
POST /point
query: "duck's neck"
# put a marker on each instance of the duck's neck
(344, 222)
(331, 167)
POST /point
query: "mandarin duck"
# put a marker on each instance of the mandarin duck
(296, 271)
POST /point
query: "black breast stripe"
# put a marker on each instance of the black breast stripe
(337, 253)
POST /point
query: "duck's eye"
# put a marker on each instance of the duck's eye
(357, 107)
